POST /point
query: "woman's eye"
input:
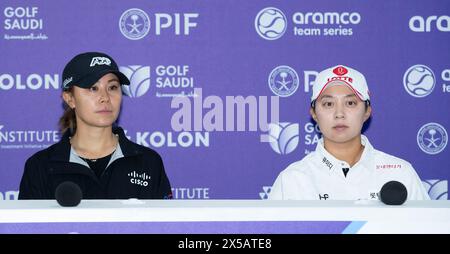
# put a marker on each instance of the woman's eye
(351, 103)
(93, 89)
(327, 104)
(114, 87)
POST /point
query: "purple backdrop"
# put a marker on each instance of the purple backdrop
(227, 49)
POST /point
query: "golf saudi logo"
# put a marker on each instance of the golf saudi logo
(282, 137)
(437, 189)
(139, 77)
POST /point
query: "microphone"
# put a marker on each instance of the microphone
(68, 194)
(393, 193)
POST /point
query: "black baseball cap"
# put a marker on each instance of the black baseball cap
(85, 69)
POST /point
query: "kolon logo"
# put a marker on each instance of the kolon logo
(340, 71)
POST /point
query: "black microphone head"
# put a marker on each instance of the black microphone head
(68, 194)
(393, 193)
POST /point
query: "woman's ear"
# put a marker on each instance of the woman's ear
(68, 98)
(313, 113)
(368, 113)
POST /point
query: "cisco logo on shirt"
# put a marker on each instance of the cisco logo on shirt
(139, 179)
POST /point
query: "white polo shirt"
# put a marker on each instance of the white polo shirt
(320, 176)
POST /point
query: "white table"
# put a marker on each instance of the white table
(224, 216)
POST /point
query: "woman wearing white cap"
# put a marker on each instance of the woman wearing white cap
(344, 165)
(93, 152)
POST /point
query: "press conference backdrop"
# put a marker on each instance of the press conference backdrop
(221, 88)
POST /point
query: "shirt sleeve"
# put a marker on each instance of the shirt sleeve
(276, 192)
(164, 190)
(32, 185)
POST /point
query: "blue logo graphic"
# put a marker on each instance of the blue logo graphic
(432, 138)
(270, 23)
(419, 81)
(265, 193)
(283, 81)
(139, 77)
(437, 189)
(134, 24)
(283, 137)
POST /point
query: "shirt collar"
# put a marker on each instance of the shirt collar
(75, 158)
(328, 161)
(62, 151)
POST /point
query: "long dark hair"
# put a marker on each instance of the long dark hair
(68, 121)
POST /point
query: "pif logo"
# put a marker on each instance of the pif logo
(134, 23)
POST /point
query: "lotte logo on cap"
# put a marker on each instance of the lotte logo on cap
(340, 71)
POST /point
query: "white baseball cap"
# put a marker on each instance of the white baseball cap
(343, 75)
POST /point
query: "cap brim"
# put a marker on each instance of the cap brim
(91, 79)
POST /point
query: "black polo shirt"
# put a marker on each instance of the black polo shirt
(134, 171)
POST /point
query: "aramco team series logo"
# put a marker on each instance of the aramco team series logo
(432, 138)
(283, 137)
(437, 189)
(139, 77)
(134, 24)
(270, 23)
(419, 80)
(283, 81)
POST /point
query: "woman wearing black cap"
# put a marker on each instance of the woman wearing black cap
(93, 153)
